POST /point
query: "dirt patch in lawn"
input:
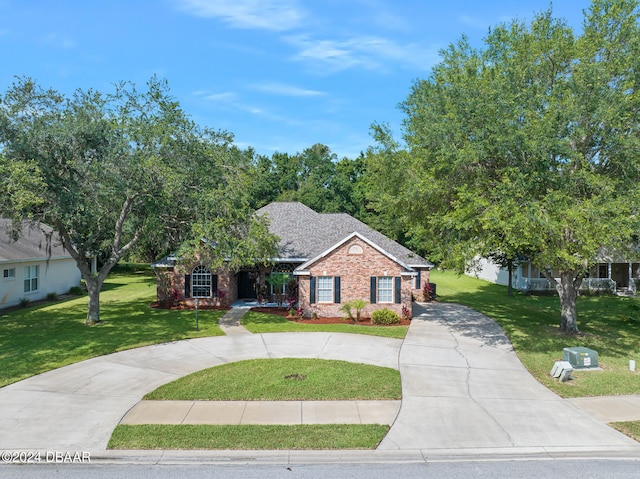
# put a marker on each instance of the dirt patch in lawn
(323, 320)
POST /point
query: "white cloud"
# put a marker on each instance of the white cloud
(58, 40)
(225, 97)
(370, 52)
(277, 15)
(286, 90)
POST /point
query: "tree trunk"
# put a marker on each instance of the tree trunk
(93, 288)
(568, 291)
(510, 269)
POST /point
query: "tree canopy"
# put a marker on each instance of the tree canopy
(529, 146)
(105, 170)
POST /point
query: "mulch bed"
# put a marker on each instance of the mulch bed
(177, 307)
(323, 320)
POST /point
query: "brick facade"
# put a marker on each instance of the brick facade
(355, 262)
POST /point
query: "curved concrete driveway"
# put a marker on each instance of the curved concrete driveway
(464, 393)
(76, 408)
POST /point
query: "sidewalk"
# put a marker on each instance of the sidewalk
(263, 412)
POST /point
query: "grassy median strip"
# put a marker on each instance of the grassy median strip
(272, 323)
(284, 379)
(305, 436)
(608, 324)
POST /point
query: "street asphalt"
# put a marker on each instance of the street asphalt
(465, 395)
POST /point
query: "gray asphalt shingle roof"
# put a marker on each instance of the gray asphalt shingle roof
(305, 234)
(32, 244)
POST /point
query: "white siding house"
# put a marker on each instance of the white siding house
(28, 270)
(609, 274)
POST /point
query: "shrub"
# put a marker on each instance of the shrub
(357, 304)
(346, 308)
(24, 302)
(427, 292)
(75, 290)
(384, 316)
(52, 296)
(406, 312)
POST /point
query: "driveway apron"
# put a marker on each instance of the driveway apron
(464, 388)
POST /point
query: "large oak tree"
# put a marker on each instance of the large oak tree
(531, 146)
(105, 170)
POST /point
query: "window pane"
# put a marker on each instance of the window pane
(325, 289)
(385, 289)
(201, 282)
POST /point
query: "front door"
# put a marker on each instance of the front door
(247, 284)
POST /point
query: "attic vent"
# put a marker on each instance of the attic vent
(355, 249)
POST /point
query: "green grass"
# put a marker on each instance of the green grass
(609, 324)
(630, 428)
(273, 323)
(44, 337)
(304, 436)
(266, 379)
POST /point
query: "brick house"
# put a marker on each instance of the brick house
(330, 258)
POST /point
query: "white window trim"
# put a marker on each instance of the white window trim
(330, 289)
(200, 279)
(379, 289)
(28, 277)
(11, 277)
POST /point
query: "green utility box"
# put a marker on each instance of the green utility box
(581, 358)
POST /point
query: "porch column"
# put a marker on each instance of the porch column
(630, 276)
(609, 270)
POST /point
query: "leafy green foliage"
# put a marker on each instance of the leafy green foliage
(526, 148)
(384, 316)
(349, 306)
(272, 323)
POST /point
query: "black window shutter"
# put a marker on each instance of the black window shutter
(312, 289)
(187, 285)
(398, 289)
(419, 280)
(336, 289)
(214, 284)
(374, 296)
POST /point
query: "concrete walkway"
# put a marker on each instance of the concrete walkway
(230, 322)
(465, 394)
(263, 412)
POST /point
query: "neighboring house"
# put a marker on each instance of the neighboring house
(334, 258)
(33, 266)
(611, 274)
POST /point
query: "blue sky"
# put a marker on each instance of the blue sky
(280, 75)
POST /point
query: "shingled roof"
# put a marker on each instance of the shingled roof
(305, 234)
(32, 244)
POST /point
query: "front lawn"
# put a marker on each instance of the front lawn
(44, 337)
(609, 325)
(272, 323)
(286, 379)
